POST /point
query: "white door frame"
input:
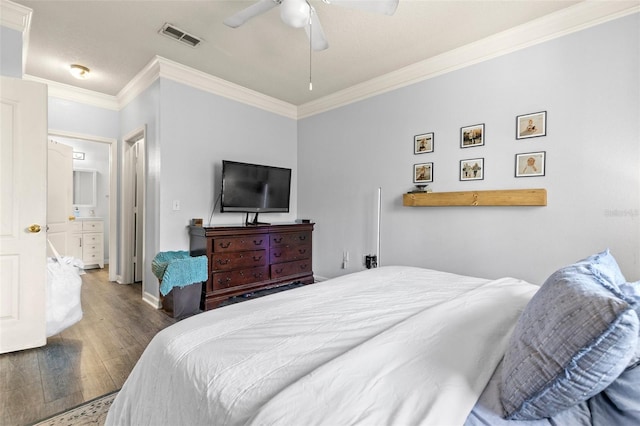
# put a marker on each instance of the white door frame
(113, 191)
(127, 276)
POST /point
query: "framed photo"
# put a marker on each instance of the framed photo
(423, 173)
(530, 164)
(423, 143)
(472, 169)
(531, 125)
(472, 136)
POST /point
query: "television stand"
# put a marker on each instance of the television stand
(255, 221)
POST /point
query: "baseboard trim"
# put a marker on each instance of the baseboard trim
(151, 300)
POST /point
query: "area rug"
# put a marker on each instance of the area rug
(93, 412)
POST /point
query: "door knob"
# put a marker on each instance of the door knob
(35, 228)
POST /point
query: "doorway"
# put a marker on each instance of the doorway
(133, 208)
(110, 187)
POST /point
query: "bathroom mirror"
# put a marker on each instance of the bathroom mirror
(84, 188)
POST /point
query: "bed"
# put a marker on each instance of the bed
(387, 346)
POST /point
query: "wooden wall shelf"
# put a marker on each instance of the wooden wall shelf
(505, 197)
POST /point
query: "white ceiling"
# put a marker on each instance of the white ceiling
(117, 39)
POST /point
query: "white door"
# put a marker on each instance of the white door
(139, 212)
(23, 214)
(133, 190)
(59, 198)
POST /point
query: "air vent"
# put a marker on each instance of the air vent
(176, 33)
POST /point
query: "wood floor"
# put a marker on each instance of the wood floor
(89, 359)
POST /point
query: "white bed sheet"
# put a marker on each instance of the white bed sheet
(393, 345)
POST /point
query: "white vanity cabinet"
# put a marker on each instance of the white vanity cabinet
(87, 240)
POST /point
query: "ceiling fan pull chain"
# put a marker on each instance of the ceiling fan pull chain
(310, 46)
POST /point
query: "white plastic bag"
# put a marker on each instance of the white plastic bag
(63, 307)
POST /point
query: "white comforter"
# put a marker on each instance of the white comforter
(387, 346)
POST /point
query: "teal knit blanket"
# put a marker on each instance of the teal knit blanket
(178, 269)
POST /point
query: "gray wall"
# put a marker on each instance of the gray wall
(189, 133)
(588, 82)
(198, 131)
(10, 52)
(144, 112)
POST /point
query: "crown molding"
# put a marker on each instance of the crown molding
(139, 83)
(15, 16)
(572, 19)
(166, 68)
(566, 21)
(77, 94)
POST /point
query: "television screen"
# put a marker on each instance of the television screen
(254, 188)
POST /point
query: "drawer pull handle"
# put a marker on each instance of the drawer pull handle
(277, 240)
(302, 237)
(223, 245)
(223, 261)
(303, 266)
(257, 258)
(302, 251)
(277, 254)
(278, 271)
(257, 275)
(222, 281)
(257, 243)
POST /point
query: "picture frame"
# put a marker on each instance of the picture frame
(423, 143)
(472, 169)
(529, 164)
(531, 125)
(471, 136)
(423, 173)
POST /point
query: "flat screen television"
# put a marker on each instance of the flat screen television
(254, 188)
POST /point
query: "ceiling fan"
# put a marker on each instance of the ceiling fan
(300, 13)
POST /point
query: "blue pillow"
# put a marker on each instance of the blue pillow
(619, 404)
(605, 265)
(574, 338)
(631, 292)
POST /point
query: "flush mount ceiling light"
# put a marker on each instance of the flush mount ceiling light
(79, 71)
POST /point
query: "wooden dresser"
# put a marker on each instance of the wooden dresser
(243, 259)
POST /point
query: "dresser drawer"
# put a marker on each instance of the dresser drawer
(290, 238)
(88, 239)
(93, 225)
(92, 248)
(290, 268)
(92, 258)
(288, 253)
(238, 259)
(250, 242)
(222, 280)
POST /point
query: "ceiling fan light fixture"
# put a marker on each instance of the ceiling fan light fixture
(79, 71)
(295, 13)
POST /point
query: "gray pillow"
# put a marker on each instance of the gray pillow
(574, 338)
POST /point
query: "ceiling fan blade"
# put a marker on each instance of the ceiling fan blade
(244, 15)
(388, 7)
(315, 32)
